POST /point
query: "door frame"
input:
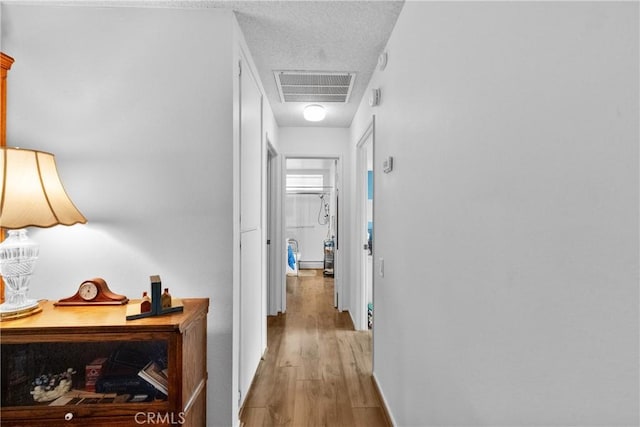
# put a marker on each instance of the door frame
(275, 247)
(360, 313)
(240, 353)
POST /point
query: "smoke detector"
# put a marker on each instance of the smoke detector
(374, 97)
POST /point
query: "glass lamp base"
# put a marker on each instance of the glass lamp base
(18, 255)
(8, 315)
(9, 309)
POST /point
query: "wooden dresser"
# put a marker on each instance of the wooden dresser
(106, 352)
(5, 66)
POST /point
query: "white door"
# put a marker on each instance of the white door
(252, 316)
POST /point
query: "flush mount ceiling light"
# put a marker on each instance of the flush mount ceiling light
(314, 113)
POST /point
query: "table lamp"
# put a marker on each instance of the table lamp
(31, 195)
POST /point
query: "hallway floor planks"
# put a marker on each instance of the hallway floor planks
(317, 369)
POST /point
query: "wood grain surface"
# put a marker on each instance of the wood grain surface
(317, 369)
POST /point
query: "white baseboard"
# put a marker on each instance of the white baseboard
(311, 264)
(385, 405)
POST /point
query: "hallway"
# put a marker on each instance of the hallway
(317, 369)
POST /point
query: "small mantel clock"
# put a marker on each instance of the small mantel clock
(94, 292)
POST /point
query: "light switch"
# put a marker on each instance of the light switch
(381, 267)
(387, 164)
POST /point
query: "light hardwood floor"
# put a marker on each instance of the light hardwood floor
(317, 369)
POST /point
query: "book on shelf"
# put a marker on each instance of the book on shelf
(156, 376)
(124, 385)
(81, 397)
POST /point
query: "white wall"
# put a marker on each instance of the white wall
(509, 226)
(314, 141)
(137, 106)
(327, 142)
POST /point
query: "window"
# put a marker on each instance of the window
(312, 183)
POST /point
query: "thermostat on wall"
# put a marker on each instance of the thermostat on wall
(387, 164)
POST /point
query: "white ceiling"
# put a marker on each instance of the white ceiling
(307, 35)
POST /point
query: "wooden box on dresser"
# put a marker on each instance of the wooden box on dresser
(106, 352)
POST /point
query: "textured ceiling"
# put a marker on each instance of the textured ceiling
(345, 36)
(310, 35)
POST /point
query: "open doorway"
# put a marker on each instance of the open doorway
(274, 263)
(311, 218)
(364, 312)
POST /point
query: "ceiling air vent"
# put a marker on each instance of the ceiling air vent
(309, 86)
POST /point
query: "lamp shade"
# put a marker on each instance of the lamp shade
(31, 193)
